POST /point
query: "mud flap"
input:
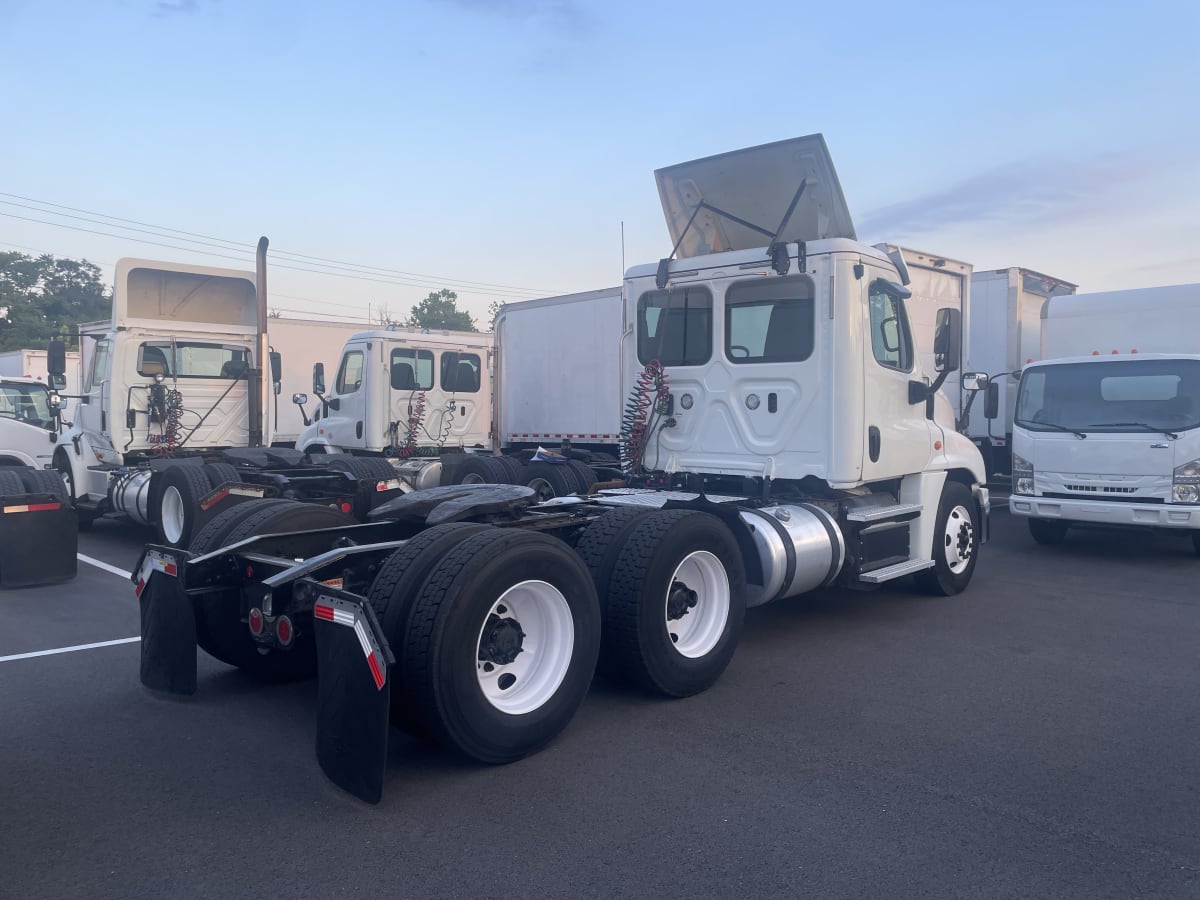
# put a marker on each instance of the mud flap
(353, 690)
(39, 539)
(168, 624)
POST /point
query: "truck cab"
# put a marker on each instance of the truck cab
(28, 423)
(400, 392)
(1106, 428)
(168, 371)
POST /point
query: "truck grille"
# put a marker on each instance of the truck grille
(1094, 488)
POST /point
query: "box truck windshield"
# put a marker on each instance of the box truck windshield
(1111, 396)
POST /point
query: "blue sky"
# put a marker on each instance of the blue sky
(497, 146)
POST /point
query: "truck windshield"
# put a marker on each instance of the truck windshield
(1111, 395)
(191, 359)
(26, 402)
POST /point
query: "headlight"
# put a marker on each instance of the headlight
(1022, 475)
(1185, 493)
(1186, 487)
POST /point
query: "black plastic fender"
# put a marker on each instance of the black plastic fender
(168, 622)
(353, 690)
(39, 536)
(455, 503)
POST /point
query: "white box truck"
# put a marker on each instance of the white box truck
(780, 433)
(32, 364)
(1106, 428)
(1003, 334)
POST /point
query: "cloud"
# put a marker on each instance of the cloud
(564, 16)
(1020, 194)
(176, 7)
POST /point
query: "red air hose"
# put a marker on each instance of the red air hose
(650, 393)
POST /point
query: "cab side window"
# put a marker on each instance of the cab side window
(891, 339)
(349, 377)
(99, 365)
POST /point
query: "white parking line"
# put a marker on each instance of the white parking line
(68, 649)
(100, 564)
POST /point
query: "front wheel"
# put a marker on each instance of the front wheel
(955, 543)
(501, 644)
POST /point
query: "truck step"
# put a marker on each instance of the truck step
(898, 570)
(879, 513)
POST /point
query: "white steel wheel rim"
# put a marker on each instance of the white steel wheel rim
(959, 539)
(171, 514)
(547, 646)
(697, 632)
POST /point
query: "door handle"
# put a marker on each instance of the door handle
(873, 441)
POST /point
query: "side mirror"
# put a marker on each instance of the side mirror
(947, 341)
(299, 399)
(974, 381)
(276, 367)
(56, 358)
(318, 378)
(991, 400)
(56, 382)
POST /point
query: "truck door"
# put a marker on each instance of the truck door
(460, 378)
(90, 409)
(343, 427)
(898, 439)
(412, 404)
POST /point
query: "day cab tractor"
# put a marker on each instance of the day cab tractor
(783, 436)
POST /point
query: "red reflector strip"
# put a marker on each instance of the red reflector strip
(213, 500)
(333, 614)
(343, 612)
(32, 507)
(376, 670)
(141, 586)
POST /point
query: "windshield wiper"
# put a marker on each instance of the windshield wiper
(1144, 426)
(1035, 424)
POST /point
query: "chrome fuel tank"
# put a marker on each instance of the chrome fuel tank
(799, 546)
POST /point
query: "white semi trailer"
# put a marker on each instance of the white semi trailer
(780, 434)
(1106, 429)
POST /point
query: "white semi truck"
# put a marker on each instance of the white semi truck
(179, 402)
(780, 435)
(1106, 429)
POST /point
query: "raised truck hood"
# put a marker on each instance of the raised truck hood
(757, 185)
(169, 297)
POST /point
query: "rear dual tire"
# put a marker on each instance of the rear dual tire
(496, 645)
(673, 592)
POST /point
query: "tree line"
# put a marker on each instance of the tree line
(47, 296)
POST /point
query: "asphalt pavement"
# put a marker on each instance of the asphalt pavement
(1034, 736)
